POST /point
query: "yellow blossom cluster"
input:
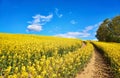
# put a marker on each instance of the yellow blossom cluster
(31, 56)
(112, 52)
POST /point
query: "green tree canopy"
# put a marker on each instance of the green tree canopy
(109, 30)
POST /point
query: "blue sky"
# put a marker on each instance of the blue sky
(65, 18)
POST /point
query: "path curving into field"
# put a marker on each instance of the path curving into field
(96, 68)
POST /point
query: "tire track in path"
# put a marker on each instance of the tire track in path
(96, 68)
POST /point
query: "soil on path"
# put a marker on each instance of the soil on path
(96, 68)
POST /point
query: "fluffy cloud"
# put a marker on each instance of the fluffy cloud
(88, 28)
(38, 22)
(56, 12)
(86, 32)
(91, 27)
(73, 35)
(34, 28)
(73, 22)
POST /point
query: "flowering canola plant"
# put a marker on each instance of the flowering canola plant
(31, 56)
(112, 52)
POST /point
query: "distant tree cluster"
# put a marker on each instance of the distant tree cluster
(109, 30)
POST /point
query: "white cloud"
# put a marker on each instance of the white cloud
(91, 27)
(42, 19)
(73, 22)
(86, 32)
(34, 27)
(56, 12)
(88, 28)
(73, 35)
(38, 22)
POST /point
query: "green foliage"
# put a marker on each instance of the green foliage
(109, 30)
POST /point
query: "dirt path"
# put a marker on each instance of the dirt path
(96, 68)
(83, 44)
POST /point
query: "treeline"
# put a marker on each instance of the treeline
(109, 30)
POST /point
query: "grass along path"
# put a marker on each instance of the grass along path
(96, 68)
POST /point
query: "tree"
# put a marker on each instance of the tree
(109, 30)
